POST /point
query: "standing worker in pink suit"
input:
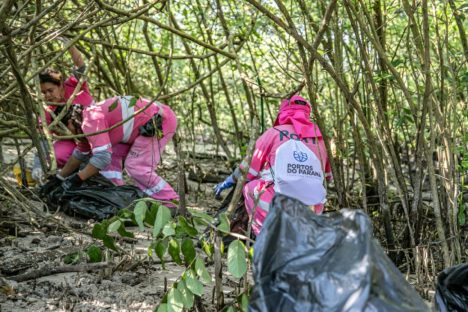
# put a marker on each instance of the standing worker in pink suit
(289, 158)
(57, 92)
(139, 132)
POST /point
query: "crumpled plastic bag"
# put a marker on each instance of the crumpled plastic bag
(305, 262)
(96, 199)
(452, 289)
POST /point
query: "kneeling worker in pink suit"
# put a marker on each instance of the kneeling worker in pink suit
(292, 124)
(136, 142)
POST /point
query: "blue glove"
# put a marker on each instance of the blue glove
(72, 183)
(228, 183)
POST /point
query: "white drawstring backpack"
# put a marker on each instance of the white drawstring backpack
(298, 173)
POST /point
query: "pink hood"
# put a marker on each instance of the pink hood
(296, 112)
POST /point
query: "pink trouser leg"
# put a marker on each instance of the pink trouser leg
(141, 162)
(253, 190)
(113, 172)
(63, 150)
(256, 188)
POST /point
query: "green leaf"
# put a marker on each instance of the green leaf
(244, 303)
(201, 271)
(162, 308)
(461, 215)
(160, 249)
(162, 217)
(94, 253)
(114, 226)
(169, 229)
(109, 242)
(186, 293)
(99, 231)
(221, 247)
(125, 213)
(224, 223)
(133, 101)
(72, 258)
(194, 285)
(397, 62)
(207, 248)
(251, 253)
(113, 105)
(124, 233)
(150, 216)
(201, 215)
(188, 250)
(140, 213)
(190, 230)
(237, 264)
(174, 251)
(175, 300)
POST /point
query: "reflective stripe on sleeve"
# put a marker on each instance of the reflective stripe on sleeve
(127, 112)
(266, 175)
(101, 148)
(253, 172)
(264, 205)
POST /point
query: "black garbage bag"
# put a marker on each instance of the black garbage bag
(96, 199)
(304, 262)
(452, 289)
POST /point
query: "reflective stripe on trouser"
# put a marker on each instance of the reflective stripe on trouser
(255, 188)
(251, 191)
(63, 150)
(113, 172)
(141, 162)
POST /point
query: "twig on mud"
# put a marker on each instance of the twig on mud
(47, 270)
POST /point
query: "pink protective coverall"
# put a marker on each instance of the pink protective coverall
(139, 154)
(64, 148)
(292, 122)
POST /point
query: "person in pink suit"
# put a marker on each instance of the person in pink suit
(123, 132)
(292, 123)
(57, 92)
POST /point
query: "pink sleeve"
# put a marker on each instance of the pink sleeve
(260, 155)
(99, 142)
(327, 169)
(83, 97)
(83, 147)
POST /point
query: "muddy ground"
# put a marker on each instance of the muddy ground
(137, 284)
(133, 282)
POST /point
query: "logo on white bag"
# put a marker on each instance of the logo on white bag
(300, 156)
(298, 173)
(304, 170)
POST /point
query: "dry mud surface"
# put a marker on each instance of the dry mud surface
(139, 282)
(130, 288)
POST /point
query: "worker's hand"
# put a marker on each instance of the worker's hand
(53, 182)
(38, 175)
(72, 182)
(228, 183)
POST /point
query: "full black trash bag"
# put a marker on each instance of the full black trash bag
(96, 199)
(452, 289)
(304, 262)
